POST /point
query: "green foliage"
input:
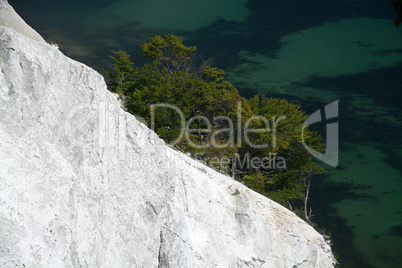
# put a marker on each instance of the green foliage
(286, 140)
(170, 48)
(255, 181)
(123, 75)
(173, 74)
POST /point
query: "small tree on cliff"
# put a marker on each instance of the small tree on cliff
(174, 74)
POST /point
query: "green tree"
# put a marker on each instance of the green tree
(284, 139)
(122, 78)
(173, 74)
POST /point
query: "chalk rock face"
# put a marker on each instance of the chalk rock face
(9, 18)
(84, 184)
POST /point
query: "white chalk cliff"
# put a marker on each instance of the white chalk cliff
(84, 184)
(9, 18)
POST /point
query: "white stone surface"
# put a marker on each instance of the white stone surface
(84, 184)
(9, 18)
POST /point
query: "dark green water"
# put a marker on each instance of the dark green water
(309, 52)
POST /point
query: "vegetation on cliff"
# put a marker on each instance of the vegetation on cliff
(192, 106)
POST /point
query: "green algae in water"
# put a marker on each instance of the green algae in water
(338, 50)
(329, 50)
(375, 210)
(311, 48)
(171, 15)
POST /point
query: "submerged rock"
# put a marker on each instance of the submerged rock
(83, 183)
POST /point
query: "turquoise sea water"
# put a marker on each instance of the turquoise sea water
(309, 52)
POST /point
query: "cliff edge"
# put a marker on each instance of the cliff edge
(84, 184)
(9, 18)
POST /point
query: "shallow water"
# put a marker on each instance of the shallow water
(309, 52)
